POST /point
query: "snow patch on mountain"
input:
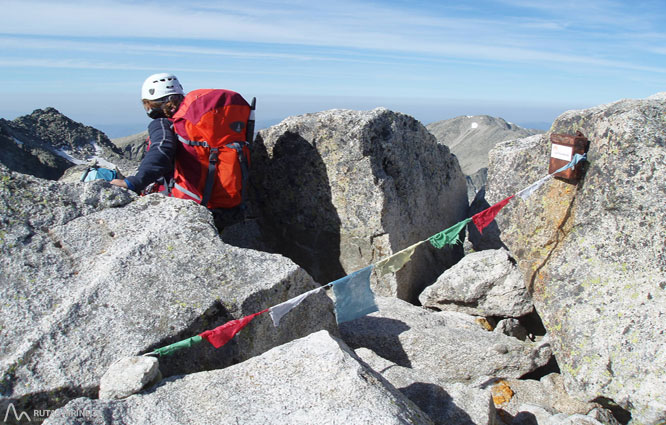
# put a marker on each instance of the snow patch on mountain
(67, 154)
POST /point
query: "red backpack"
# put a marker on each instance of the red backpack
(212, 162)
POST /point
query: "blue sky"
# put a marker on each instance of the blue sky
(525, 61)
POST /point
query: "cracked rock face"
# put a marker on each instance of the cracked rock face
(594, 254)
(91, 275)
(342, 189)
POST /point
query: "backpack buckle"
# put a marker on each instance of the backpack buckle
(212, 158)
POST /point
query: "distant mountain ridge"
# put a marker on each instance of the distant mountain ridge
(132, 147)
(18, 154)
(470, 137)
(46, 143)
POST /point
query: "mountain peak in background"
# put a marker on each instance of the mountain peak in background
(470, 137)
(61, 132)
(46, 143)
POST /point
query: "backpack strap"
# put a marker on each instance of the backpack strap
(210, 178)
(192, 143)
(187, 192)
(245, 169)
(212, 163)
(85, 173)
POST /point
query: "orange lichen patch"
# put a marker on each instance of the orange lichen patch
(484, 323)
(502, 393)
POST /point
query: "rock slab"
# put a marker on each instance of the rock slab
(444, 402)
(313, 379)
(128, 376)
(485, 283)
(450, 346)
(91, 276)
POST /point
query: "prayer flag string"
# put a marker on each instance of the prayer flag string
(354, 297)
(278, 311)
(396, 261)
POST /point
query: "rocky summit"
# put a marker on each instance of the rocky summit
(471, 137)
(593, 253)
(91, 274)
(46, 143)
(561, 322)
(20, 152)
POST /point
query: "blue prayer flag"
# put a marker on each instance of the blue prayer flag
(353, 296)
(575, 160)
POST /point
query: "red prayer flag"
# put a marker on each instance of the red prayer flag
(487, 216)
(222, 334)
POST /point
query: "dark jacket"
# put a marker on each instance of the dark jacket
(159, 159)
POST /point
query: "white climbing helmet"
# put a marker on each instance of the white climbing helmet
(159, 85)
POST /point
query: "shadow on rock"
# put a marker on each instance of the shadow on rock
(436, 403)
(300, 221)
(378, 334)
(523, 418)
(202, 356)
(490, 239)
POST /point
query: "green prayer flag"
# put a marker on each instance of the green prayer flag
(396, 261)
(448, 236)
(170, 349)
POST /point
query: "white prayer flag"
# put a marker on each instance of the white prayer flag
(278, 311)
(529, 190)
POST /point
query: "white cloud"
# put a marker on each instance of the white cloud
(341, 47)
(342, 24)
(66, 63)
(24, 43)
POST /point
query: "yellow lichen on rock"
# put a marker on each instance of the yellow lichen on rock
(502, 393)
(484, 323)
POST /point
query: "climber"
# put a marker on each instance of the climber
(161, 95)
(198, 147)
